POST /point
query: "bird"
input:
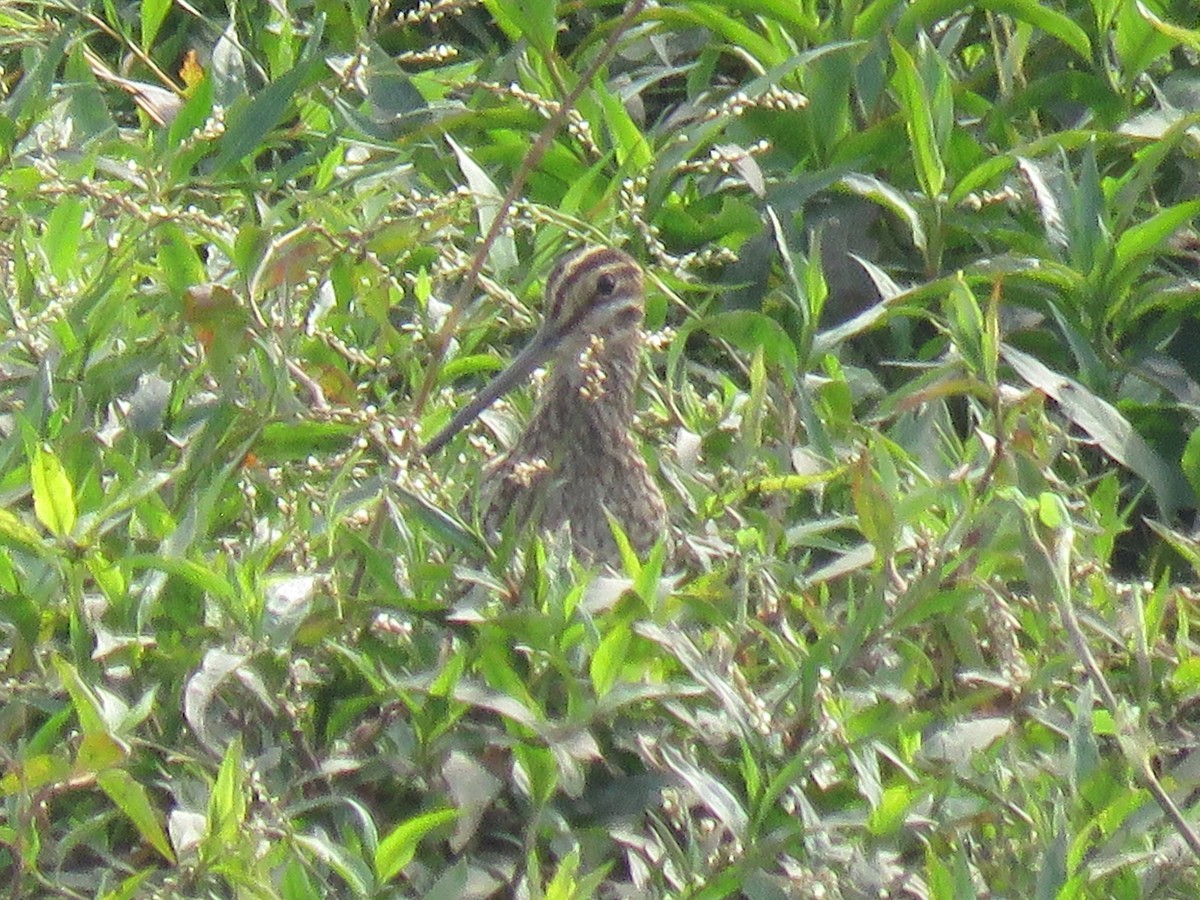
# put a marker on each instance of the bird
(577, 461)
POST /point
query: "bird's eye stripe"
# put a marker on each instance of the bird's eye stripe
(565, 276)
(577, 268)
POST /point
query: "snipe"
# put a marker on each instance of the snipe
(577, 458)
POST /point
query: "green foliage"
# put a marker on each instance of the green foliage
(922, 396)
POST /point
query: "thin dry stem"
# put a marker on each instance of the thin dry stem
(536, 152)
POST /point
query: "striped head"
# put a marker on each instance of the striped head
(593, 291)
(594, 299)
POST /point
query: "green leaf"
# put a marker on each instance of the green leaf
(964, 318)
(18, 535)
(885, 195)
(1037, 14)
(1186, 677)
(1138, 44)
(132, 887)
(487, 198)
(389, 88)
(396, 850)
(443, 524)
(33, 773)
(804, 21)
(98, 752)
(154, 13)
(609, 658)
(1189, 37)
(748, 331)
(534, 20)
(53, 496)
(918, 120)
(293, 440)
(83, 699)
(33, 88)
(202, 576)
(1149, 236)
(64, 228)
(347, 864)
(1041, 15)
(888, 816)
(875, 508)
(1111, 430)
(251, 122)
(132, 799)
(1184, 545)
(985, 173)
(227, 802)
(715, 19)
(1090, 237)
(1052, 511)
(633, 150)
(1191, 461)
(178, 262)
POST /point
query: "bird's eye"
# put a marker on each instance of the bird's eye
(605, 285)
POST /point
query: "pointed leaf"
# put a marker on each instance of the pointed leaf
(609, 657)
(1044, 17)
(534, 20)
(154, 13)
(918, 119)
(1148, 236)
(83, 698)
(885, 195)
(487, 198)
(1049, 204)
(1111, 430)
(1189, 37)
(227, 803)
(397, 850)
(245, 133)
(64, 229)
(132, 799)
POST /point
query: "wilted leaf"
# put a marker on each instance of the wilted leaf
(473, 788)
(217, 317)
(191, 72)
(709, 791)
(201, 688)
(288, 259)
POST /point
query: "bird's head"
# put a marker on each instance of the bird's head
(595, 303)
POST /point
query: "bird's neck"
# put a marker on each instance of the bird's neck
(589, 395)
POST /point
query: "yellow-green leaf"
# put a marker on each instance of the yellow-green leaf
(34, 773)
(609, 657)
(397, 849)
(83, 698)
(53, 496)
(227, 803)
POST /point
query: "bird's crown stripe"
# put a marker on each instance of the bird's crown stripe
(574, 267)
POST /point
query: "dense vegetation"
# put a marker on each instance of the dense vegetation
(922, 394)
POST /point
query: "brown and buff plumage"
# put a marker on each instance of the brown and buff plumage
(577, 458)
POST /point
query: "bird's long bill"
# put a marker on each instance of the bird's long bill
(536, 352)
